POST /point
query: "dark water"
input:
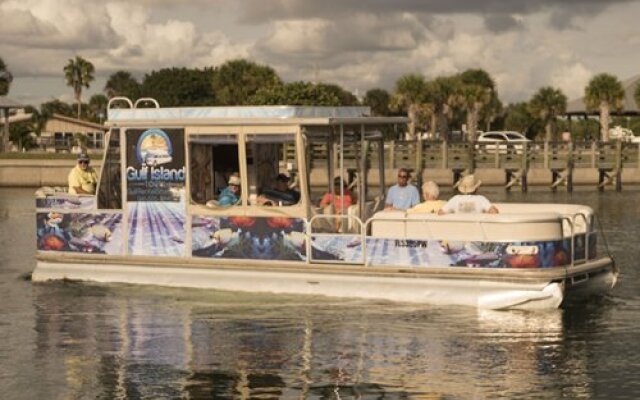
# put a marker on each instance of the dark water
(75, 341)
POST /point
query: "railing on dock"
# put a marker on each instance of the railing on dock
(516, 159)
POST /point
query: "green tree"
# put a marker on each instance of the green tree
(491, 112)
(408, 97)
(519, 118)
(296, 94)
(547, 104)
(636, 95)
(378, 99)
(5, 82)
(5, 78)
(122, 83)
(345, 98)
(56, 106)
(236, 82)
(21, 135)
(177, 87)
(476, 92)
(443, 94)
(79, 73)
(98, 107)
(604, 92)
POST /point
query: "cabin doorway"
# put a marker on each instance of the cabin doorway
(213, 160)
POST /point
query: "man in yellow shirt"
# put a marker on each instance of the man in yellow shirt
(82, 178)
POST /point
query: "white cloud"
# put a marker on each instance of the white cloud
(571, 79)
(55, 24)
(523, 45)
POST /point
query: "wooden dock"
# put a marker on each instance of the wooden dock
(516, 163)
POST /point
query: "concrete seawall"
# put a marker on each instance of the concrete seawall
(37, 173)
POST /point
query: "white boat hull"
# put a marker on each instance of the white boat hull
(473, 289)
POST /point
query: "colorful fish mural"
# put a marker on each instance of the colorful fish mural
(242, 237)
(80, 232)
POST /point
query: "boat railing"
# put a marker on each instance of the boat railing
(119, 99)
(534, 228)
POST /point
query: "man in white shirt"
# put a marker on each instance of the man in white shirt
(468, 201)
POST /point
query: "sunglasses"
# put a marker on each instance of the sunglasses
(403, 176)
(83, 162)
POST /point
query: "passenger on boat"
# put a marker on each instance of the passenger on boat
(431, 204)
(280, 194)
(82, 178)
(402, 195)
(468, 201)
(231, 194)
(340, 203)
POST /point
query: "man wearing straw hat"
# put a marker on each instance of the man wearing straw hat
(468, 201)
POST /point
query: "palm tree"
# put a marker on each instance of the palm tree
(443, 94)
(79, 74)
(5, 78)
(476, 92)
(409, 94)
(603, 92)
(547, 104)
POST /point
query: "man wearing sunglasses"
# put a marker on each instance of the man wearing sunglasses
(402, 195)
(82, 178)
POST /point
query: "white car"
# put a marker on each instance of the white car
(623, 134)
(503, 139)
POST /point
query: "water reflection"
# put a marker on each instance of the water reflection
(150, 343)
(68, 341)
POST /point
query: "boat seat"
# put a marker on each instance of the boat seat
(467, 227)
(388, 224)
(566, 210)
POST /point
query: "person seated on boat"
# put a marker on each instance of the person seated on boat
(280, 193)
(231, 194)
(431, 204)
(339, 202)
(82, 178)
(468, 201)
(402, 195)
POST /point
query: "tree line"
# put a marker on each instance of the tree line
(469, 99)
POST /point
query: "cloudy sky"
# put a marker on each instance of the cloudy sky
(359, 44)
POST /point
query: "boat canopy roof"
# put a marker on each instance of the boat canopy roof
(248, 115)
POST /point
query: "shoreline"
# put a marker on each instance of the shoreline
(31, 173)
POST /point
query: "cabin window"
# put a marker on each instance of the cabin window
(215, 170)
(109, 191)
(272, 166)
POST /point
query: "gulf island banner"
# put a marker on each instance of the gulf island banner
(155, 176)
(155, 164)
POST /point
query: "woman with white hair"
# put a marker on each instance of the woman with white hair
(468, 201)
(431, 204)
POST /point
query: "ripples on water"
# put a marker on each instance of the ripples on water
(70, 340)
